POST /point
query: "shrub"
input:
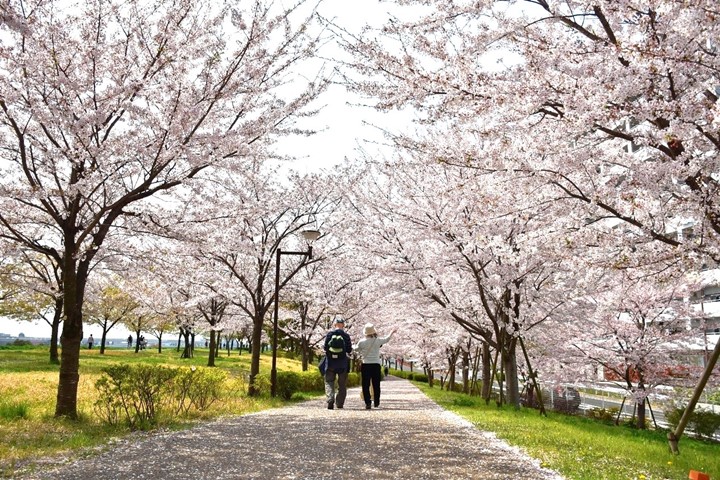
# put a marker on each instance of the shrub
(197, 387)
(262, 383)
(415, 376)
(703, 422)
(14, 410)
(21, 343)
(603, 414)
(288, 383)
(312, 381)
(133, 393)
(673, 415)
(464, 401)
(353, 380)
(706, 422)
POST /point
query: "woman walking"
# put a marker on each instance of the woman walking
(369, 350)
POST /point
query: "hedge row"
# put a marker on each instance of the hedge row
(417, 376)
(289, 383)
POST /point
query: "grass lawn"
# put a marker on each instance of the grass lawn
(581, 448)
(28, 388)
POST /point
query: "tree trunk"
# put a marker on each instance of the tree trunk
(160, 342)
(511, 374)
(211, 353)
(187, 351)
(305, 351)
(137, 341)
(72, 333)
(641, 411)
(466, 371)
(486, 371)
(255, 360)
(642, 415)
(103, 339)
(54, 330)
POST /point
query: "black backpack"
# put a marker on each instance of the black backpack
(336, 346)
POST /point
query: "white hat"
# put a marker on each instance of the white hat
(369, 329)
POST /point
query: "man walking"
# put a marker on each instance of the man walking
(337, 348)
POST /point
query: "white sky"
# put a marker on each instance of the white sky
(342, 124)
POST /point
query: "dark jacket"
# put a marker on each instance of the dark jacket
(338, 365)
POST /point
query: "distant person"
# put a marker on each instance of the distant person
(130, 340)
(369, 349)
(386, 370)
(91, 340)
(337, 347)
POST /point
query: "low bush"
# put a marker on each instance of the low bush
(197, 387)
(464, 401)
(133, 393)
(607, 415)
(416, 376)
(288, 383)
(138, 394)
(312, 381)
(703, 422)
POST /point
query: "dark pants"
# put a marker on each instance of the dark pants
(371, 373)
(330, 396)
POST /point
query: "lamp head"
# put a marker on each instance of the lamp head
(310, 235)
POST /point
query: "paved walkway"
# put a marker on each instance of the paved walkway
(409, 437)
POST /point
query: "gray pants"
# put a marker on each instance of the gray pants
(338, 399)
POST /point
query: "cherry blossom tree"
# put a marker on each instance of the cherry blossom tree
(109, 104)
(474, 253)
(109, 304)
(32, 290)
(234, 233)
(589, 96)
(613, 104)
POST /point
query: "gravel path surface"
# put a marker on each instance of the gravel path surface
(408, 437)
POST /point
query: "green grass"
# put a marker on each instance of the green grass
(13, 410)
(581, 448)
(28, 388)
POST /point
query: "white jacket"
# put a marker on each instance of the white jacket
(369, 348)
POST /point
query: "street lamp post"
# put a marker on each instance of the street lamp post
(309, 236)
